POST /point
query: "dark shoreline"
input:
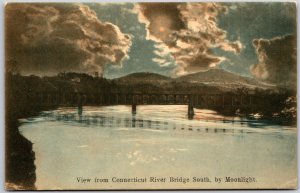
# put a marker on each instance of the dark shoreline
(19, 159)
(19, 155)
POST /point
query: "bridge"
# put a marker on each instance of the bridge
(208, 101)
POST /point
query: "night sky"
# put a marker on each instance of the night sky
(142, 50)
(173, 39)
(244, 21)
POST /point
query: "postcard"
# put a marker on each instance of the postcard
(150, 96)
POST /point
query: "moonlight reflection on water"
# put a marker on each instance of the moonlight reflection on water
(159, 141)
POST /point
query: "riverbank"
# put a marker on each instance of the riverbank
(19, 156)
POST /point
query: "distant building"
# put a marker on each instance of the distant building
(98, 74)
(62, 74)
(76, 79)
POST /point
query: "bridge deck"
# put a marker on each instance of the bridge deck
(198, 100)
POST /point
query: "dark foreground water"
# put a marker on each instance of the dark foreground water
(110, 144)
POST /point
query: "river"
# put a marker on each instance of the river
(108, 143)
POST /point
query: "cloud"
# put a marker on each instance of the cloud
(161, 20)
(163, 57)
(159, 61)
(189, 32)
(277, 60)
(49, 38)
(200, 62)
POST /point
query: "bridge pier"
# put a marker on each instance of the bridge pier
(133, 108)
(190, 111)
(80, 101)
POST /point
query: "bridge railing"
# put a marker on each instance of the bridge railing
(198, 100)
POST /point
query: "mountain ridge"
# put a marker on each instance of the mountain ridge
(213, 77)
(143, 76)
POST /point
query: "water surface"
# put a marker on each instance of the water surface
(159, 141)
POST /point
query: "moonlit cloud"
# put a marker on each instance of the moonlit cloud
(163, 57)
(277, 60)
(166, 38)
(189, 32)
(50, 38)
